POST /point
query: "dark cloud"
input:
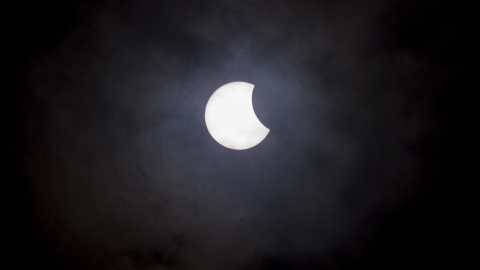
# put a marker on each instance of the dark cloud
(115, 168)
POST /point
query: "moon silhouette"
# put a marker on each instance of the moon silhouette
(230, 117)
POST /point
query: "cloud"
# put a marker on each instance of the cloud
(124, 174)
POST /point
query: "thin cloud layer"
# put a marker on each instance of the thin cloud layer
(122, 173)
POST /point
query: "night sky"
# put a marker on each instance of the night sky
(110, 164)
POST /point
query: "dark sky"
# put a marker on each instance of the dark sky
(112, 166)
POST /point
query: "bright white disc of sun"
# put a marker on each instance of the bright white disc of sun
(230, 117)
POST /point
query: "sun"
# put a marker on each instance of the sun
(230, 117)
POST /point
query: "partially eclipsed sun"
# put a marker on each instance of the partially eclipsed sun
(230, 117)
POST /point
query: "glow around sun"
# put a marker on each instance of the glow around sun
(230, 117)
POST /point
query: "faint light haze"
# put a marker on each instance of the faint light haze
(114, 168)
